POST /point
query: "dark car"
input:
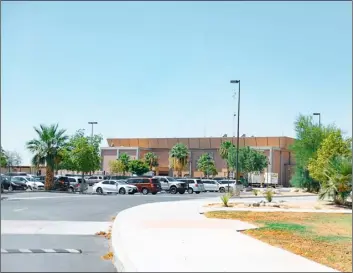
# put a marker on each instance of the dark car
(145, 185)
(61, 183)
(11, 184)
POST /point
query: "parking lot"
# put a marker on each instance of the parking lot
(34, 220)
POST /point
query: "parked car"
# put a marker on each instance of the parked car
(12, 183)
(145, 185)
(170, 184)
(233, 185)
(211, 185)
(31, 182)
(94, 179)
(194, 185)
(114, 186)
(75, 184)
(61, 183)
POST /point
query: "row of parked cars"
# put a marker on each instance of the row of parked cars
(155, 184)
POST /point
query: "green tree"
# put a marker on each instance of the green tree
(116, 166)
(334, 145)
(338, 185)
(125, 160)
(12, 159)
(138, 167)
(250, 160)
(3, 158)
(84, 153)
(309, 137)
(206, 164)
(179, 157)
(224, 152)
(50, 139)
(151, 160)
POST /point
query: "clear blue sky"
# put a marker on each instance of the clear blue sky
(162, 69)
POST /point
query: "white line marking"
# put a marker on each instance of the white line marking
(17, 210)
(49, 250)
(23, 250)
(3, 251)
(72, 250)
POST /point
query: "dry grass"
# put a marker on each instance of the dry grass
(321, 237)
(108, 256)
(101, 233)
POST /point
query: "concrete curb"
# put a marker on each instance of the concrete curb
(204, 210)
(121, 260)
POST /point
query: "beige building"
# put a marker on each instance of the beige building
(275, 148)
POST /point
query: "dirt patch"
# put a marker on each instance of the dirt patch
(314, 205)
(321, 237)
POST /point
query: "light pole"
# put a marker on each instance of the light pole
(237, 158)
(92, 123)
(318, 114)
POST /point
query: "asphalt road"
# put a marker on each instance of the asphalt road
(41, 220)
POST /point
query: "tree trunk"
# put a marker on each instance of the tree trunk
(49, 177)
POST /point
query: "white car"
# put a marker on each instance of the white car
(31, 183)
(211, 185)
(194, 185)
(114, 186)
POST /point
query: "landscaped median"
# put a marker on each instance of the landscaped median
(319, 231)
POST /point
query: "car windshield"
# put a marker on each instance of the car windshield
(171, 178)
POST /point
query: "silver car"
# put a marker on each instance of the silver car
(94, 179)
(194, 185)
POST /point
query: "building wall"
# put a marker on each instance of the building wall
(281, 159)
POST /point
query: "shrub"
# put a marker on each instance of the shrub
(225, 199)
(268, 195)
(256, 192)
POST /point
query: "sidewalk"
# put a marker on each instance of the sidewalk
(174, 237)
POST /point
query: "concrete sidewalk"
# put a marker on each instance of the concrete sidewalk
(174, 237)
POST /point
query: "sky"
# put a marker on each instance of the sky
(163, 69)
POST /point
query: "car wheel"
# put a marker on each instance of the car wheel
(10, 188)
(182, 192)
(70, 189)
(190, 191)
(197, 192)
(122, 191)
(154, 193)
(173, 190)
(99, 191)
(144, 191)
(222, 189)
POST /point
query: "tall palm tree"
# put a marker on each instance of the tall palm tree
(224, 151)
(179, 156)
(151, 159)
(46, 149)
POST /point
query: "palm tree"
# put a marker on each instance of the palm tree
(179, 156)
(339, 184)
(151, 159)
(223, 152)
(46, 149)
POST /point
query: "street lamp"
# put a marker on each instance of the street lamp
(237, 158)
(318, 114)
(92, 123)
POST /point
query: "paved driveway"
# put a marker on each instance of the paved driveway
(40, 220)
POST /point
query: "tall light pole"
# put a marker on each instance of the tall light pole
(92, 123)
(237, 158)
(318, 114)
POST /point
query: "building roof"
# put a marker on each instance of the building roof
(201, 142)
